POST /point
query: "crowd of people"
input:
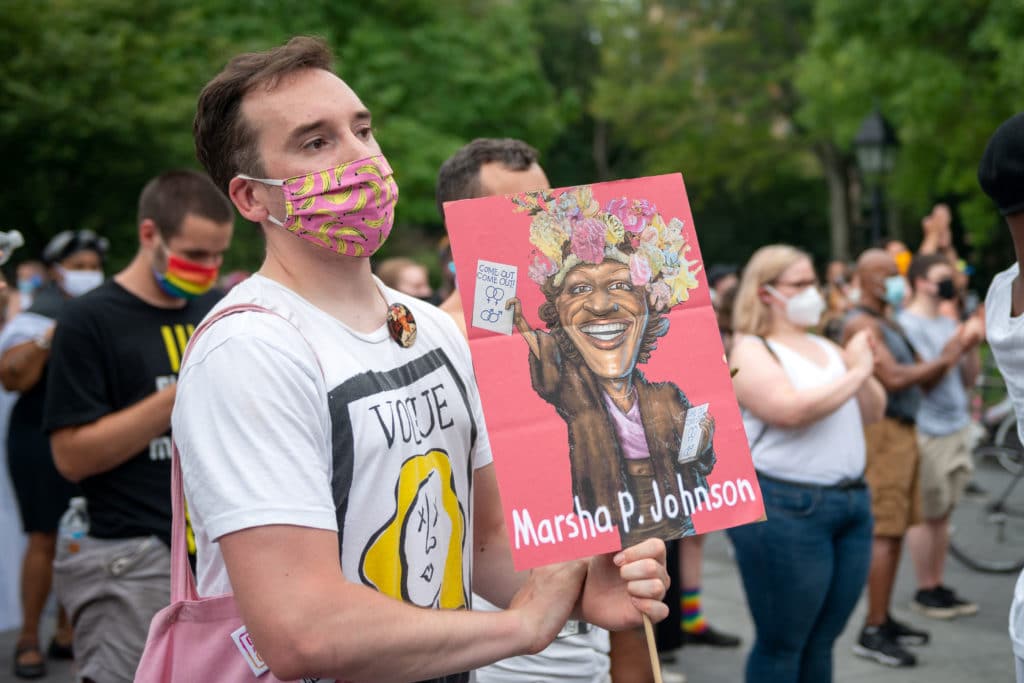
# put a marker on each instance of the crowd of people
(853, 388)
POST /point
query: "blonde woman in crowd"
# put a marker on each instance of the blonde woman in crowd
(804, 400)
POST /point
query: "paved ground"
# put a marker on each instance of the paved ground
(968, 649)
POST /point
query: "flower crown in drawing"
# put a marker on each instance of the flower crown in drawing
(573, 229)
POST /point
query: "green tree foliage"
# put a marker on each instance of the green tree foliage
(704, 85)
(706, 88)
(755, 101)
(439, 81)
(94, 104)
(99, 96)
(945, 74)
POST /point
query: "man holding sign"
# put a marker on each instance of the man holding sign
(344, 422)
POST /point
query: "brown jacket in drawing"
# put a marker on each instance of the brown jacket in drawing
(596, 459)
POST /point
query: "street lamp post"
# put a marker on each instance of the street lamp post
(876, 145)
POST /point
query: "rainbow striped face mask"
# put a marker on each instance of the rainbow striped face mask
(185, 279)
(348, 209)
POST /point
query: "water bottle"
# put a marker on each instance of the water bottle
(9, 241)
(73, 527)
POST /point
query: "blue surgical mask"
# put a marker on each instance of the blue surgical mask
(29, 285)
(895, 290)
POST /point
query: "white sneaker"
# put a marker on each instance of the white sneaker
(673, 677)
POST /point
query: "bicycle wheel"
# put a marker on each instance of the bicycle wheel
(987, 530)
(1012, 458)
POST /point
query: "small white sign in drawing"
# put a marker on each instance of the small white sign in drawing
(692, 433)
(495, 285)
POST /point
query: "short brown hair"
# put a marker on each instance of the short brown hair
(167, 198)
(225, 145)
(459, 177)
(921, 264)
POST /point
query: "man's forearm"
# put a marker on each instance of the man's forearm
(86, 450)
(494, 577)
(21, 366)
(897, 377)
(970, 367)
(385, 640)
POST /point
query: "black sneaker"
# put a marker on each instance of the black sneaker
(874, 644)
(711, 637)
(934, 603)
(903, 634)
(58, 651)
(964, 608)
(974, 490)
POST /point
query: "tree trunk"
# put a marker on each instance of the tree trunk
(834, 166)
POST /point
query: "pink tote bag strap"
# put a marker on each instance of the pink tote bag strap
(183, 583)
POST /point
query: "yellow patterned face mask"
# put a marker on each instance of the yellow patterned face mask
(349, 209)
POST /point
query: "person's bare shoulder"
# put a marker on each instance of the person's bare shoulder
(453, 307)
(857, 322)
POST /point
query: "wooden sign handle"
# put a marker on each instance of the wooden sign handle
(652, 649)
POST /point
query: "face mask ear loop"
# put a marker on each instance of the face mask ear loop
(775, 293)
(266, 181)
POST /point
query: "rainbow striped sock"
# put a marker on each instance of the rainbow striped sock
(692, 620)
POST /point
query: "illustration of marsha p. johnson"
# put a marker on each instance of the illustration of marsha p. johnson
(609, 275)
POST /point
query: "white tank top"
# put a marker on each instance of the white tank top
(823, 452)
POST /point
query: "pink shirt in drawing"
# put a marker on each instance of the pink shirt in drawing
(629, 429)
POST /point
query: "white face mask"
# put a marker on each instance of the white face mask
(78, 282)
(803, 309)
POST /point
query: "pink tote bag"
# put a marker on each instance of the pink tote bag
(194, 639)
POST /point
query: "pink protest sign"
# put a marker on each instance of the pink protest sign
(604, 384)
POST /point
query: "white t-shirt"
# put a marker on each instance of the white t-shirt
(1005, 335)
(578, 655)
(379, 446)
(823, 452)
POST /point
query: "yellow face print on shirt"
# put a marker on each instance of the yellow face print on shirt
(417, 555)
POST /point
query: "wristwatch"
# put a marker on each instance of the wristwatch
(43, 342)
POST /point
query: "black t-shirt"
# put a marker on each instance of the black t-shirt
(111, 349)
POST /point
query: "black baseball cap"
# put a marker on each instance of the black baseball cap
(1001, 171)
(68, 242)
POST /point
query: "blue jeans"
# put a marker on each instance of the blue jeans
(803, 571)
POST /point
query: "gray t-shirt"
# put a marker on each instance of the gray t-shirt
(944, 409)
(902, 404)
